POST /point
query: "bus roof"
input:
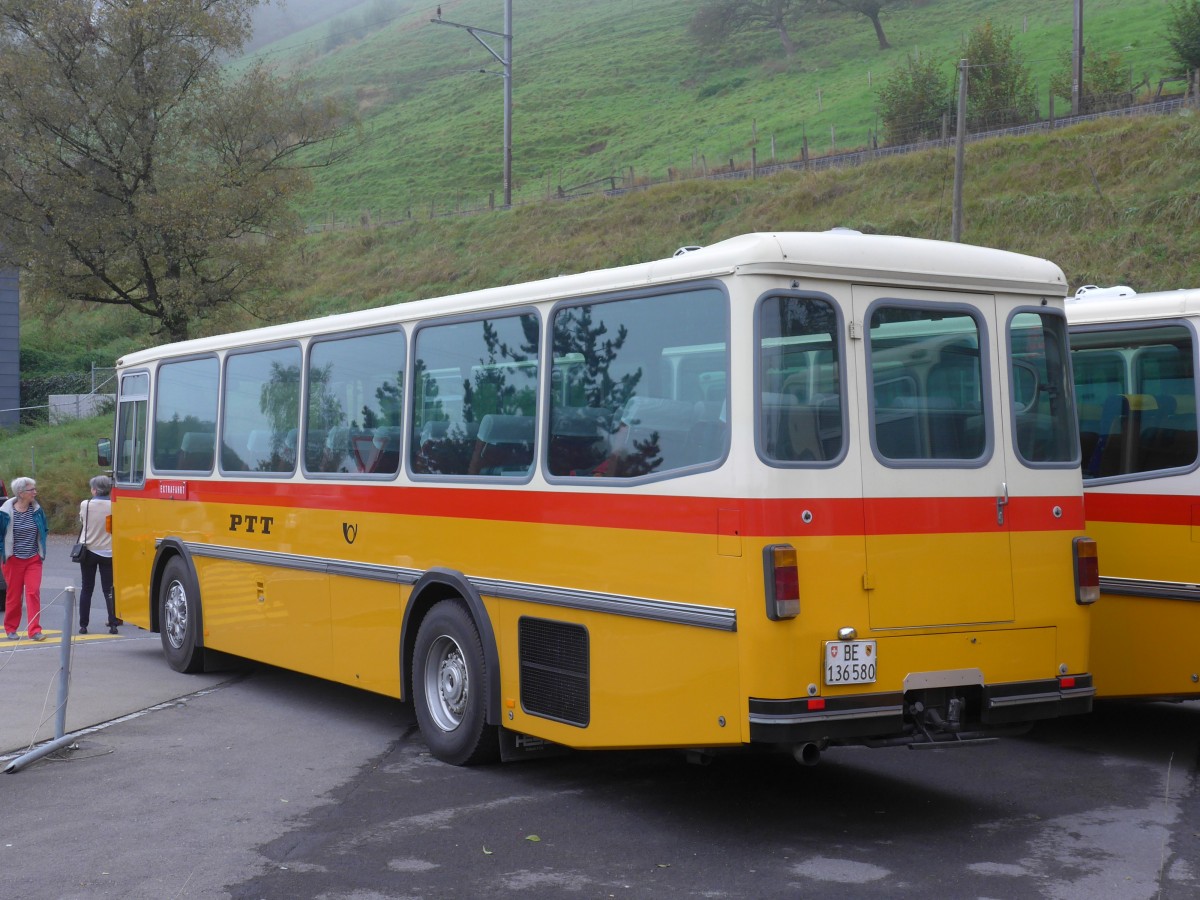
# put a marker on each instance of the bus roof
(840, 254)
(1093, 306)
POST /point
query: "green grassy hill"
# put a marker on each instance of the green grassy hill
(603, 89)
(1116, 201)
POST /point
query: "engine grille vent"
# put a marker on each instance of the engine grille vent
(555, 678)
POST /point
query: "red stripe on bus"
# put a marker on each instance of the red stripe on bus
(1144, 509)
(688, 515)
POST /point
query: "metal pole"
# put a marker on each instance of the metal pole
(959, 153)
(64, 665)
(508, 35)
(1077, 59)
(64, 680)
(505, 60)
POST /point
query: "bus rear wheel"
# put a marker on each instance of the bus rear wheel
(449, 687)
(179, 618)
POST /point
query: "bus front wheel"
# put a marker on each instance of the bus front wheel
(449, 687)
(179, 618)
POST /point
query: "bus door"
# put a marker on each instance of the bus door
(936, 486)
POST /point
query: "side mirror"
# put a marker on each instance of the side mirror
(104, 453)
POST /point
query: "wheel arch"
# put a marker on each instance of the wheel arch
(446, 584)
(168, 549)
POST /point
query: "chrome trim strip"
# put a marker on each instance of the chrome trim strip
(1144, 587)
(318, 564)
(701, 616)
(720, 618)
(828, 715)
(1022, 699)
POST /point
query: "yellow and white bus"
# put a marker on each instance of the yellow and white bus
(1134, 358)
(794, 490)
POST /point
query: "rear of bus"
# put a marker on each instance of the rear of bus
(926, 569)
(1134, 358)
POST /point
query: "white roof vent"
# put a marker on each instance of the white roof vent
(1091, 291)
(690, 248)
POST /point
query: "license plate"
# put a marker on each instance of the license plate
(850, 662)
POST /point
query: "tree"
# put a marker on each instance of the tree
(1105, 81)
(134, 169)
(1183, 33)
(912, 101)
(1000, 89)
(871, 9)
(717, 20)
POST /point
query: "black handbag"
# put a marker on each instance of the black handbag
(81, 544)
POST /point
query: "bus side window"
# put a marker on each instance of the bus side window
(647, 400)
(468, 374)
(354, 399)
(1135, 388)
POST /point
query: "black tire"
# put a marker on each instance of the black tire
(179, 618)
(449, 681)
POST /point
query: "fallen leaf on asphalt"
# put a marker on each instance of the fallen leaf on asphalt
(533, 837)
(487, 852)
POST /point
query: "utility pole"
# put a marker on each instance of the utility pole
(505, 60)
(959, 153)
(1077, 60)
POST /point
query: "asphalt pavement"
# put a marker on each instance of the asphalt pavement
(110, 676)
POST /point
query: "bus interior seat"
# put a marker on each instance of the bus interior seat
(1089, 414)
(898, 428)
(657, 433)
(775, 410)
(337, 456)
(503, 445)
(803, 434)
(196, 450)
(314, 448)
(1170, 441)
(258, 444)
(385, 456)
(578, 438)
(707, 438)
(1115, 451)
(443, 448)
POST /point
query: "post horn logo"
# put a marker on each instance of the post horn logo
(349, 532)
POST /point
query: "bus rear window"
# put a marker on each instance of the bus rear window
(800, 379)
(927, 392)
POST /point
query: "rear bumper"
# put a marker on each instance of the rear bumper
(899, 717)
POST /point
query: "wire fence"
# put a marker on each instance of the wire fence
(618, 185)
(63, 395)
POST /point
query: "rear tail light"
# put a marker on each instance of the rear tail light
(1087, 571)
(782, 581)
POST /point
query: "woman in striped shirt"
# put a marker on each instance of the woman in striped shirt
(23, 526)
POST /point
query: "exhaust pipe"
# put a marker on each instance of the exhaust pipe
(807, 754)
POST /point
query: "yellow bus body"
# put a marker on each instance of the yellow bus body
(959, 574)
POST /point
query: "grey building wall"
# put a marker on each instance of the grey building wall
(10, 349)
